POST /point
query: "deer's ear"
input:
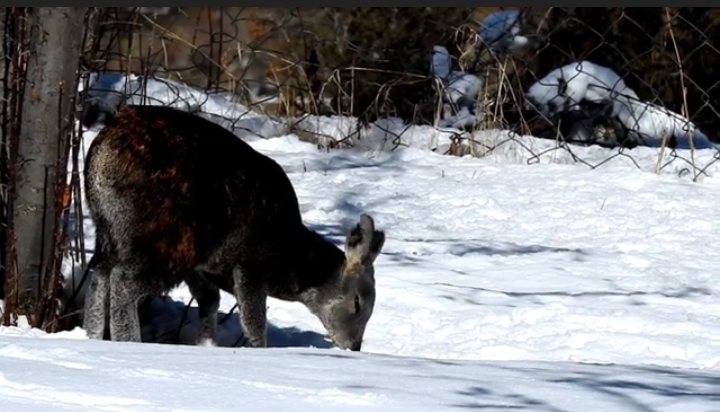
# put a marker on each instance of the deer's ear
(363, 242)
(376, 244)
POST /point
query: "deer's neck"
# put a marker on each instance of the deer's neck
(319, 263)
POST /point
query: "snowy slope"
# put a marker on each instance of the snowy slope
(39, 374)
(495, 276)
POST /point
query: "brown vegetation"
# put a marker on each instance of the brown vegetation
(368, 60)
(374, 61)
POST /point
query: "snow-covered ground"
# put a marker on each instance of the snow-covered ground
(42, 374)
(501, 286)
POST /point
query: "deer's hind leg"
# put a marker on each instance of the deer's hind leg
(126, 292)
(97, 296)
(207, 295)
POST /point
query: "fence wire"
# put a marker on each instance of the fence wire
(486, 78)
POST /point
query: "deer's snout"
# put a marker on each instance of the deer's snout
(352, 345)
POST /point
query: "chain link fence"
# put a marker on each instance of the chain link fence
(647, 78)
(626, 78)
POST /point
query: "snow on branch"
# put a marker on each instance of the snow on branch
(501, 31)
(460, 91)
(566, 88)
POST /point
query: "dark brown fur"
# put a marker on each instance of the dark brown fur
(177, 167)
(174, 195)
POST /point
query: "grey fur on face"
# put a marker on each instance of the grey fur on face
(344, 307)
(176, 198)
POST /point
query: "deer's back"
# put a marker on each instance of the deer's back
(175, 187)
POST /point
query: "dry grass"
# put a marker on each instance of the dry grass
(373, 62)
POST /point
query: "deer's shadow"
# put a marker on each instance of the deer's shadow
(168, 321)
(165, 320)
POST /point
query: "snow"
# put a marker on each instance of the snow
(564, 88)
(459, 90)
(501, 31)
(502, 285)
(112, 88)
(39, 373)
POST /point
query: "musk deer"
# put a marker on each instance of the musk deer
(175, 197)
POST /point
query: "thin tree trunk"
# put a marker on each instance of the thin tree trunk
(4, 157)
(47, 118)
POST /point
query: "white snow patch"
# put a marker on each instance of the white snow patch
(502, 31)
(564, 88)
(119, 377)
(459, 91)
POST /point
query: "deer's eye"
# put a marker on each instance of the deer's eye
(357, 304)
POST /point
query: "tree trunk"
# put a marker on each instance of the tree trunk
(4, 158)
(55, 44)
